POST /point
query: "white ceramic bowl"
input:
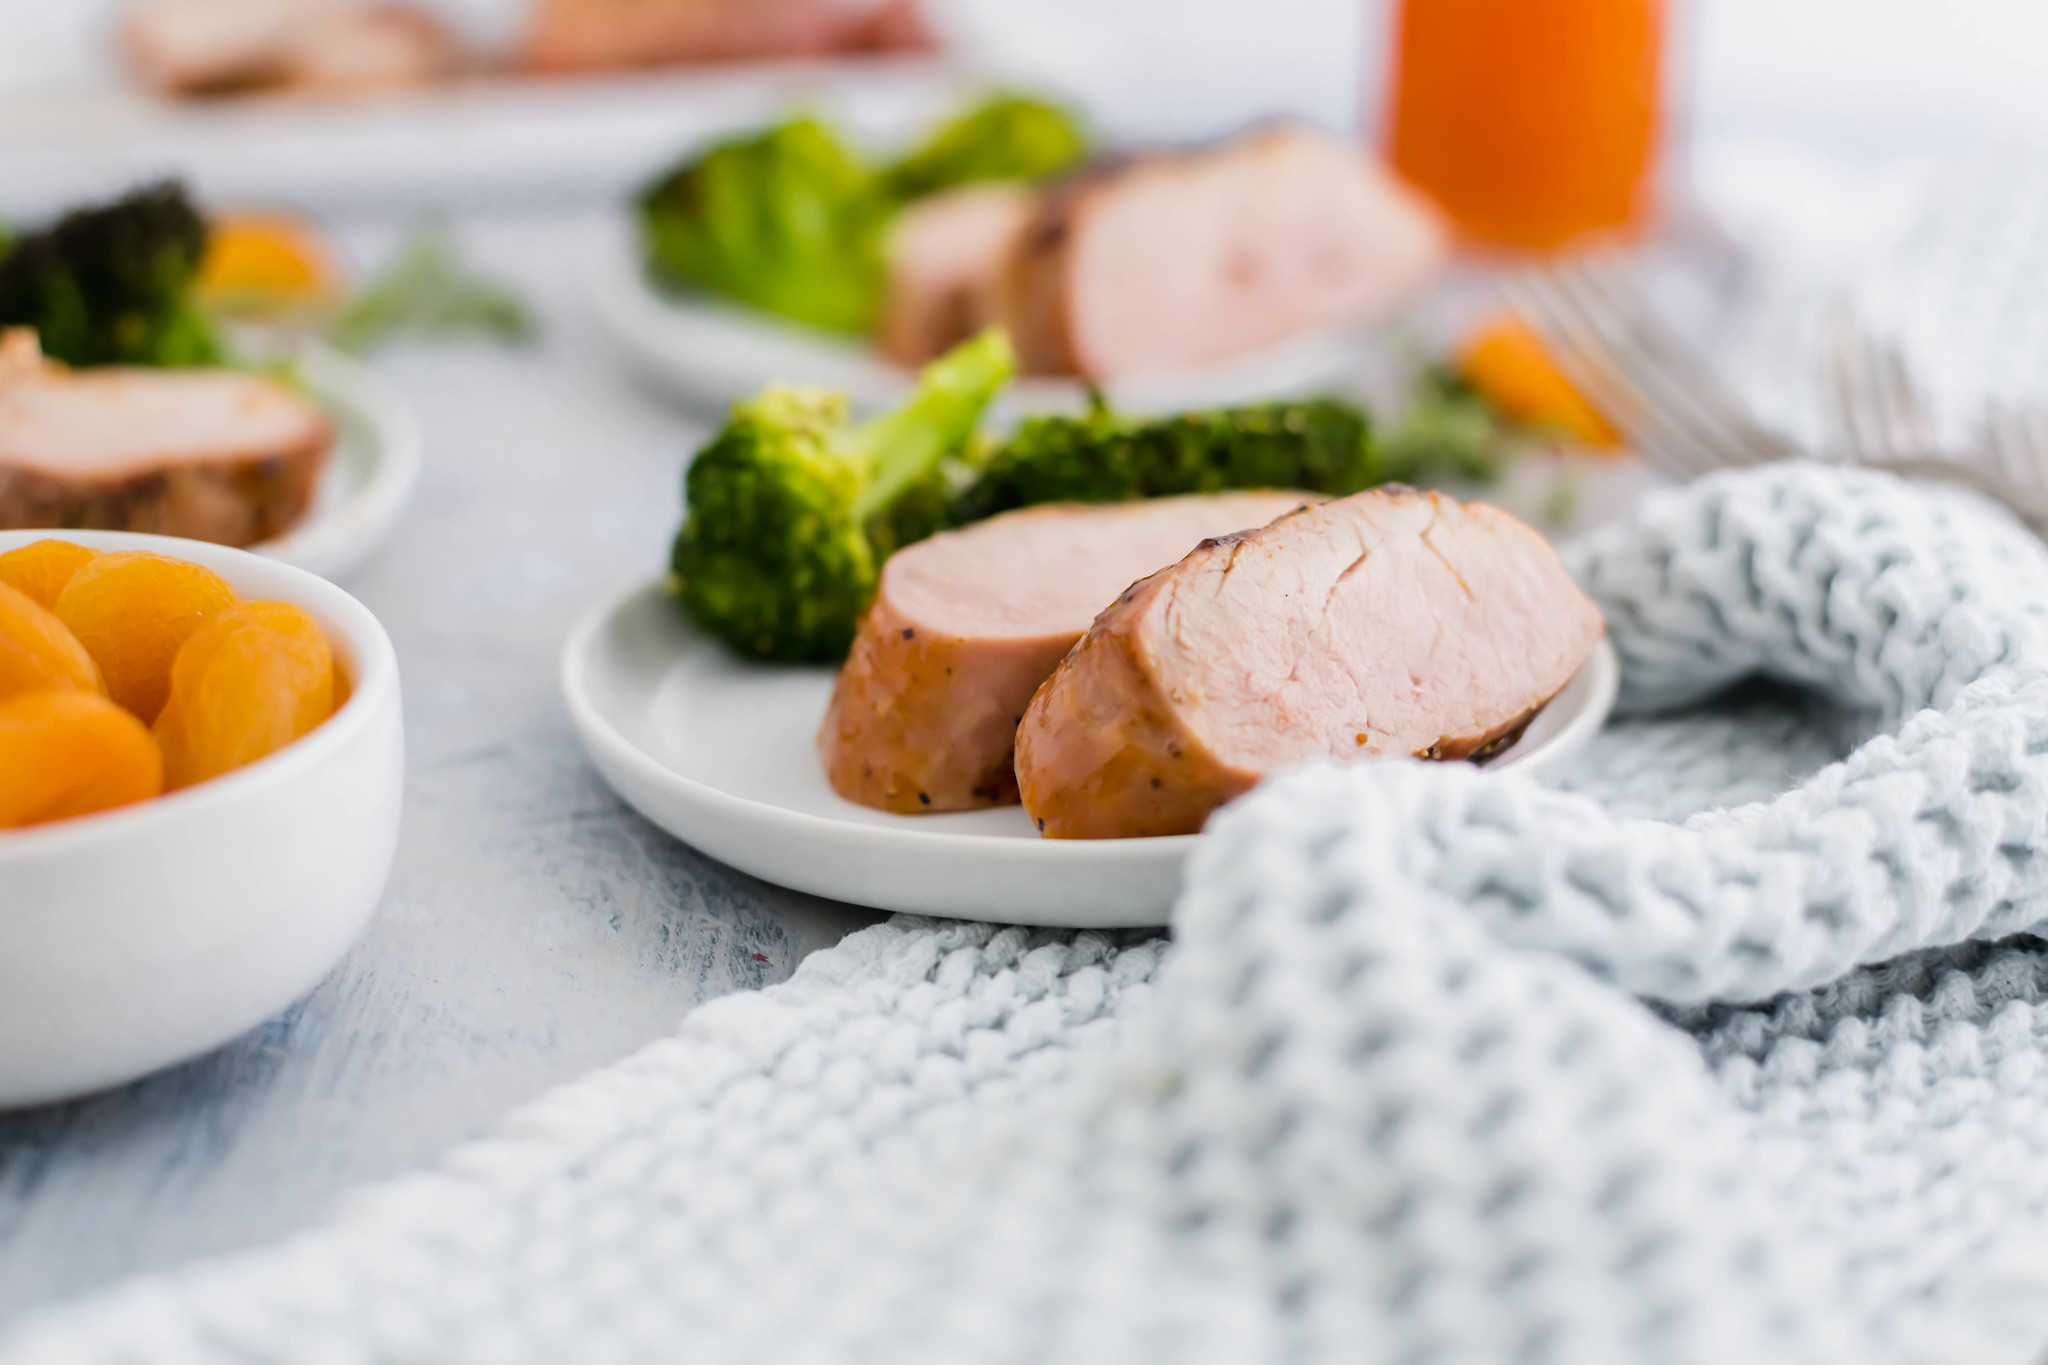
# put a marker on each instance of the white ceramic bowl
(140, 937)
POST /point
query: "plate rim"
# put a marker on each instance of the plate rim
(595, 730)
(335, 546)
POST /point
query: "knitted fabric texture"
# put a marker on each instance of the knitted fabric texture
(1732, 1050)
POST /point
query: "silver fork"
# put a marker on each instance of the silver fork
(2014, 439)
(1647, 381)
(1882, 421)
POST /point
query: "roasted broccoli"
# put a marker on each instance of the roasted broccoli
(1321, 446)
(788, 220)
(1006, 137)
(777, 555)
(113, 284)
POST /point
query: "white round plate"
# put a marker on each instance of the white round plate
(712, 353)
(719, 752)
(370, 472)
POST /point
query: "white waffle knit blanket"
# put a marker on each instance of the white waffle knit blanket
(1731, 1052)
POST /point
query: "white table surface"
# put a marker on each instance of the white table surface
(534, 928)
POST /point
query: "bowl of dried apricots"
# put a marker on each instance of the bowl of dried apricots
(201, 771)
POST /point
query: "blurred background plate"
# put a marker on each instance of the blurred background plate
(370, 474)
(720, 752)
(710, 353)
(465, 145)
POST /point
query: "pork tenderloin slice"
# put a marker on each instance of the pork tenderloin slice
(590, 35)
(366, 47)
(967, 624)
(193, 47)
(208, 454)
(1173, 261)
(944, 255)
(1391, 622)
(217, 47)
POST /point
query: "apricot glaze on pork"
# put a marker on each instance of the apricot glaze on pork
(967, 624)
(1392, 622)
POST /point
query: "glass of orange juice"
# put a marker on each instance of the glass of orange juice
(1530, 122)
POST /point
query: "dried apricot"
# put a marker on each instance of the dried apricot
(132, 610)
(72, 753)
(43, 567)
(251, 680)
(1513, 370)
(37, 654)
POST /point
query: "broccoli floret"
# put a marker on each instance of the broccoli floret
(788, 220)
(1006, 137)
(1319, 446)
(113, 284)
(788, 516)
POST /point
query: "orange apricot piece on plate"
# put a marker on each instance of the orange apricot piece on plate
(251, 680)
(42, 568)
(132, 609)
(266, 262)
(1513, 370)
(72, 753)
(37, 653)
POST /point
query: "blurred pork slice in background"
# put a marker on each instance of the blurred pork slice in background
(585, 35)
(1164, 260)
(224, 47)
(946, 257)
(229, 47)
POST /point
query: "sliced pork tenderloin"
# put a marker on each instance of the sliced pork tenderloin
(1391, 622)
(1170, 261)
(967, 624)
(215, 455)
(225, 47)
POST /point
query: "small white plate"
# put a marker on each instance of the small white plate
(719, 752)
(711, 353)
(370, 472)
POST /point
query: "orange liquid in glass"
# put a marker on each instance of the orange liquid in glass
(1530, 122)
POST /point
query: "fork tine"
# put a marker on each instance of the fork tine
(2026, 443)
(2015, 437)
(1878, 411)
(1678, 387)
(1583, 349)
(1857, 430)
(1910, 424)
(2032, 423)
(2003, 441)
